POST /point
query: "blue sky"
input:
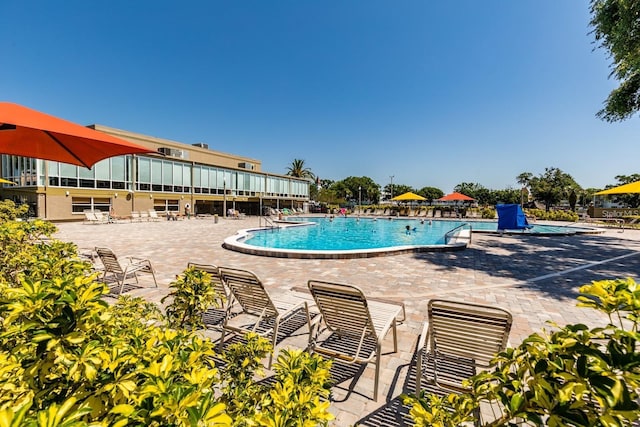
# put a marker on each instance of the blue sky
(433, 93)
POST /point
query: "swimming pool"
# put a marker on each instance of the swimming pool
(340, 237)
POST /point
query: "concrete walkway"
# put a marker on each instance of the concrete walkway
(535, 278)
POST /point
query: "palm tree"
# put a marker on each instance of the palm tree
(298, 170)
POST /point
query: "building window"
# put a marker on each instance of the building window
(82, 204)
(162, 205)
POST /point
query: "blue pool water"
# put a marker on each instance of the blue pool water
(351, 233)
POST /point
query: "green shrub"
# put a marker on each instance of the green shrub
(69, 358)
(572, 376)
(553, 215)
(192, 293)
(488, 213)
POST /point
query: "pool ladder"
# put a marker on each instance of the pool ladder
(268, 223)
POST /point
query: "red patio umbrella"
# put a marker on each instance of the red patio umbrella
(30, 133)
(456, 197)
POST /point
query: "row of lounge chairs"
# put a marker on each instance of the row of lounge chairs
(344, 324)
(99, 217)
(419, 213)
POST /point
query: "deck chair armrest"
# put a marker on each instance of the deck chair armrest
(422, 340)
(140, 261)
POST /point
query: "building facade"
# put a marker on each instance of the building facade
(172, 178)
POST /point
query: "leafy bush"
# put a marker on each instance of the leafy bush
(69, 358)
(192, 293)
(573, 376)
(488, 213)
(553, 215)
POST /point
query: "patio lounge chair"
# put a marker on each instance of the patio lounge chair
(153, 215)
(258, 312)
(121, 272)
(354, 327)
(92, 218)
(458, 339)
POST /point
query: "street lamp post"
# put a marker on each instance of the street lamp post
(391, 177)
(359, 199)
(224, 197)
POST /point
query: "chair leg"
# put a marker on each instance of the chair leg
(223, 333)
(418, 371)
(273, 343)
(377, 377)
(395, 337)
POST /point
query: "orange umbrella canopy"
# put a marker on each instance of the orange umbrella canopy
(30, 133)
(456, 197)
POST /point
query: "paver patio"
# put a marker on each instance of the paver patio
(535, 278)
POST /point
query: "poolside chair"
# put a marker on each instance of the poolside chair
(354, 327)
(153, 215)
(91, 218)
(121, 272)
(255, 311)
(458, 339)
(135, 216)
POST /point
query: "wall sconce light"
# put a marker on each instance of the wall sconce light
(115, 195)
(66, 193)
(182, 197)
(151, 196)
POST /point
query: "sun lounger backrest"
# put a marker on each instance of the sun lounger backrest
(343, 307)
(109, 260)
(469, 331)
(248, 290)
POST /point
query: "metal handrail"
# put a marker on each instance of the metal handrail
(449, 234)
(268, 222)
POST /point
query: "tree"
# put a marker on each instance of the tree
(475, 190)
(585, 197)
(430, 193)
(299, 170)
(508, 195)
(354, 187)
(552, 186)
(616, 28)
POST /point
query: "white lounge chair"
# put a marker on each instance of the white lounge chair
(256, 311)
(120, 272)
(354, 327)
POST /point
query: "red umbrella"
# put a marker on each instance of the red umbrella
(29, 133)
(455, 197)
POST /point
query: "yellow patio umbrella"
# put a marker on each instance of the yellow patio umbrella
(6, 181)
(633, 187)
(408, 197)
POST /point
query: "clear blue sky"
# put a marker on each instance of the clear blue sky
(434, 93)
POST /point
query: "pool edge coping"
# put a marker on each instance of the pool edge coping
(235, 243)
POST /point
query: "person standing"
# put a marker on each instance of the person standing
(187, 210)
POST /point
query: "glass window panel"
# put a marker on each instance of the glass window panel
(68, 171)
(101, 170)
(53, 168)
(167, 173)
(156, 171)
(144, 170)
(177, 174)
(85, 173)
(186, 176)
(197, 176)
(118, 169)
